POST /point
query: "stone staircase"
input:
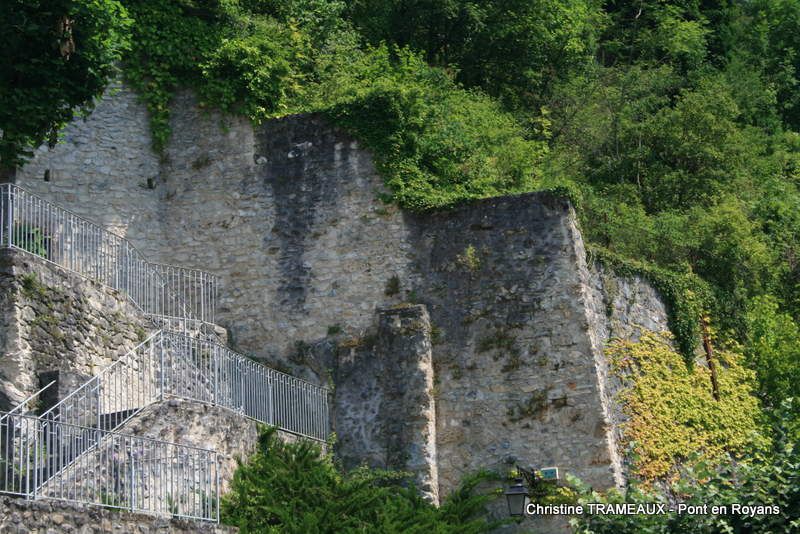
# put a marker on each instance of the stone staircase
(74, 450)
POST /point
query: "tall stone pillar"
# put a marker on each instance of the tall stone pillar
(384, 409)
(408, 411)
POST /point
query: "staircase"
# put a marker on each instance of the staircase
(75, 451)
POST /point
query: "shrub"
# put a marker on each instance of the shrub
(294, 488)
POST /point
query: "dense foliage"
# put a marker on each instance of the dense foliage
(293, 488)
(437, 143)
(57, 56)
(671, 412)
(514, 50)
(765, 479)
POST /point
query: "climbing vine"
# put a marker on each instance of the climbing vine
(672, 412)
(688, 297)
(436, 144)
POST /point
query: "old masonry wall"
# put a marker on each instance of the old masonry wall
(311, 265)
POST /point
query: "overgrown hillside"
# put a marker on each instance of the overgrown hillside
(670, 124)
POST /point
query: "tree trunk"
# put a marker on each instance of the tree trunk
(712, 364)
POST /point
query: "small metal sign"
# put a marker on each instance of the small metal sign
(548, 473)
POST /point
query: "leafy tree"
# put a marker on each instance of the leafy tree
(513, 50)
(293, 488)
(766, 33)
(773, 349)
(673, 31)
(57, 56)
(258, 73)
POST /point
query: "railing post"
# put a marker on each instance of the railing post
(241, 386)
(27, 463)
(10, 216)
(216, 483)
(99, 426)
(133, 492)
(216, 374)
(35, 457)
(161, 364)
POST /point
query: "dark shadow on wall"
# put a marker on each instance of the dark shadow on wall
(304, 178)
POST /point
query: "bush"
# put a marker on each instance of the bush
(294, 488)
(769, 479)
(436, 144)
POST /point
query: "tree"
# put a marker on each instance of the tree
(773, 350)
(58, 55)
(514, 50)
(766, 478)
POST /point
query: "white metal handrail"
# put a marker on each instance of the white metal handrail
(118, 392)
(198, 288)
(88, 465)
(218, 375)
(28, 401)
(169, 364)
(37, 226)
(80, 429)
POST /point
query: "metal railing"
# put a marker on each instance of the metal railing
(170, 364)
(209, 372)
(198, 288)
(34, 225)
(58, 460)
(118, 392)
(72, 452)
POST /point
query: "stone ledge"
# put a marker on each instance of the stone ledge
(20, 516)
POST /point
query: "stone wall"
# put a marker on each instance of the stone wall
(619, 308)
(101, 167)
(386, 411)
(514, 360)
(288, 216)
(232, 436)
(54, 320)
(19, 516)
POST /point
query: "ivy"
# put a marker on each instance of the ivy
(687, 296)
(671, 409)
(436, 144)
(169, 42)
(767, 479)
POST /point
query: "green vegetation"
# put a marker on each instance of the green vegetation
(57, 56)
(671, 410)
(31, 239)
(469, 260)
(294, 488)
(334, 330)
(771, 479)
(436, 143)
(32, 287)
